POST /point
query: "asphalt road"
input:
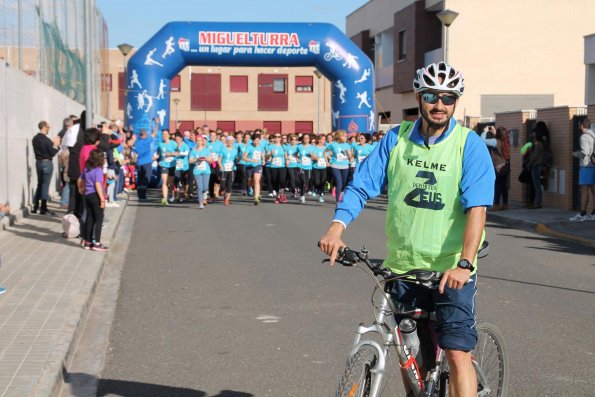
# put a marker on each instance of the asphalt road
(234, 302)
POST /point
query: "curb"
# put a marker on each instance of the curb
(539, 228)
(51, 379)
(545, 230)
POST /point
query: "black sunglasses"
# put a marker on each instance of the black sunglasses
(432, 98)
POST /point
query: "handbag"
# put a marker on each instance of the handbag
(525, 176)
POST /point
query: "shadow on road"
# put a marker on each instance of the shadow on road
(81, 384)
(537, 284)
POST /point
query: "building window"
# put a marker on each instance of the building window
(304, 83)
(304, 126)
(205, 91)
(121, 90)
(238, 83)
(175, 85)
(272, 126)
(402, 45)
(106, 82)
(272, 93)
(279, 86)
(229, 126)
(185, 125)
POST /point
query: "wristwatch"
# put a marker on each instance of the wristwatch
(465, 264)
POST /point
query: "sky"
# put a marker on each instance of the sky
(135, 21)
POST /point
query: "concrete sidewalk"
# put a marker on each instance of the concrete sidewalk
(50, 284)
(547, 221)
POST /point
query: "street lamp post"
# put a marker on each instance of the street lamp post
(319, 76)
(176, 101)
(125, 50)
(447, 17)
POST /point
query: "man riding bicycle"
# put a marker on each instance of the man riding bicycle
(440, 180)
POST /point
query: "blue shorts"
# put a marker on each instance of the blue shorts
(586, 176)
(250, 171)
(455, 311)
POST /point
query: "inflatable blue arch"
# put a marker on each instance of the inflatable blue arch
(181, 44)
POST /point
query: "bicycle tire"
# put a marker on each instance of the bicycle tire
(492, 356)
(357, 378)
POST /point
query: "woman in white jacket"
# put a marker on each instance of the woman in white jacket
(586, 173)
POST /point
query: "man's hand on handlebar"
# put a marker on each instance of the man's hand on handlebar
(454, 278)
(331, 242)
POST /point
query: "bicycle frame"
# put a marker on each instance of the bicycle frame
(386, 326)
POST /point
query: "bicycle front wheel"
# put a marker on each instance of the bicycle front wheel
(491, 362)
(357, 378)
(490, 359)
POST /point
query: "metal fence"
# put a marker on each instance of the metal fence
(45, 39)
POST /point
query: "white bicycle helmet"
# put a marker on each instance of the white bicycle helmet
(428, 78)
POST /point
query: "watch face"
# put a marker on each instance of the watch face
(465, 264)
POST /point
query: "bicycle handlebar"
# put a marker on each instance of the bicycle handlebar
(348, 257)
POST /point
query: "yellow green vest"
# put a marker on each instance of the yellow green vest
(425, 221)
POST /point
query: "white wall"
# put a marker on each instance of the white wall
(24, 102)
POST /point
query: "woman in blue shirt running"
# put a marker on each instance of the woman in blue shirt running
(293, 166)
(254, 158)
(276, 154)
(305, 162)
(200, 157)
(319, 167)
(167, 152)
(339, 154)
(227, 160)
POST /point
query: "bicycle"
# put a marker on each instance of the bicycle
(366, 365)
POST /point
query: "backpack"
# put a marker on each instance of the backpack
(71, 226)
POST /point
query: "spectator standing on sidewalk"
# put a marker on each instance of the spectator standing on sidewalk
(75, 200)
(537, 160)
(45, 149)
(586, 172)
(90, 185)
(501, 151)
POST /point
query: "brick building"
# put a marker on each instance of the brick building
(238, 98)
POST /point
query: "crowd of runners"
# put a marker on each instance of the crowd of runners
(207, 165)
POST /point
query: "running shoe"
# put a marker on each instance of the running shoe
(271, 195)
(250, 192)
(2, 290)
(591, 217)
(98, 247)
(320, 199)
(313, 194)
(578, 218)
(201, 206)
(302, 199)
(283, 199)
(277, 201)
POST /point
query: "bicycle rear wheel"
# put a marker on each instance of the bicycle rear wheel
(357, 378)
(490, 359)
